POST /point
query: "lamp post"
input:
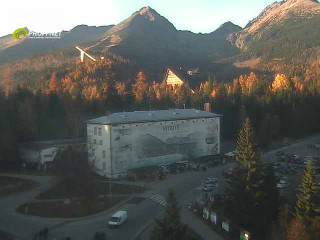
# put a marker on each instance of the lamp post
(110, 187)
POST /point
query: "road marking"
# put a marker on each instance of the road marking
(159, 198)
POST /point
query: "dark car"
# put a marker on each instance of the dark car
(280, 153)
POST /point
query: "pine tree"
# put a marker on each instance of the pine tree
(169, 227)
(254, 198)
(306, 206)
(28, 120)
(248, 155)
(269, 200)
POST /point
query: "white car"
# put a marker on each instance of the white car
(118, 218)
(282, 185)
(209, 187)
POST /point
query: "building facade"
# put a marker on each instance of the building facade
(127, 140)
(41, 153)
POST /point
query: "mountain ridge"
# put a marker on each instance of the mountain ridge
(12, 49)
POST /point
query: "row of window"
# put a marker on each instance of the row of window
(95, 142)
(99, 131)
(103, 153)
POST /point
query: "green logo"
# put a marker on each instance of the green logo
(19, 33)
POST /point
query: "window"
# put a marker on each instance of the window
(94, 141)
(104, 166)
(95, 131)
(100, 142)
(99, 132)
(104, 154)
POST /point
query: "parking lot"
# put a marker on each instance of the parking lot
(289, 164)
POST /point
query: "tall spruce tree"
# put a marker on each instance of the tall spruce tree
(249, 156)
(269, 201)
(307, 205)
(254, 199)
(169, 227)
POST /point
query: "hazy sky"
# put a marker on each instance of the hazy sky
(53, 16)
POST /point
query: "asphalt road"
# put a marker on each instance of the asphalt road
(141, 214)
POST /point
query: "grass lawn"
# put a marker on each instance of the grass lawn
(60, 191)
(5, 236)
(190, 233)
(10, 185)
(57, 209)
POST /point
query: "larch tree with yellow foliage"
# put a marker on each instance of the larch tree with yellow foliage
(280, 83)
(140, 87)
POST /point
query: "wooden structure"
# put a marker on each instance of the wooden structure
(179, 76)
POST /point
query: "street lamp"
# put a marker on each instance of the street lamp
(110, 187)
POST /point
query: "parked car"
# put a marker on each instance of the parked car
(285, 178)
(118, 219)
(210, 180)
(210, 187)
(282, 185)
(280, 153)
(300, 161)
(296, 156)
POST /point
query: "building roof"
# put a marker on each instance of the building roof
(151, 116)
(40, 145)
(182, 74)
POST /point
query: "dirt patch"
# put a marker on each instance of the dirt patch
(249, 63)
(10, 185)
(73, 209)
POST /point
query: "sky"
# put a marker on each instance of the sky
(54, 16)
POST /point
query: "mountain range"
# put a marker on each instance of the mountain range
(284, 32)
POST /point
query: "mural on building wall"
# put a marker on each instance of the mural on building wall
(143, 145)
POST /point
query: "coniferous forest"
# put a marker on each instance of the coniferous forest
(56, 106)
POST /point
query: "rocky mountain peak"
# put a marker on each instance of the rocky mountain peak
(148, 13)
